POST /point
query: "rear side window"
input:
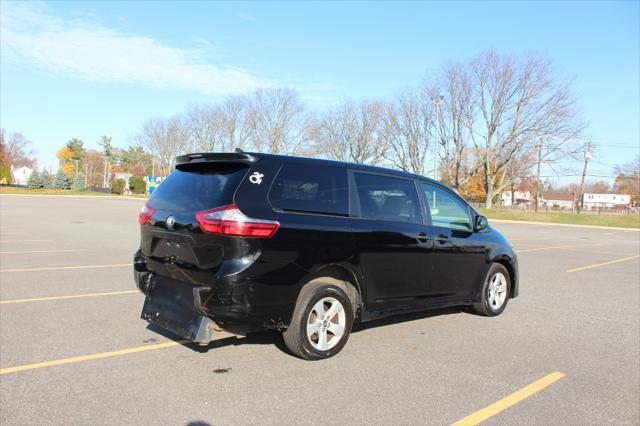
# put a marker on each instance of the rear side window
(311, 189)
(198, 187)
(387, 198)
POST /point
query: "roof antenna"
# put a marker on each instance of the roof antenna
(239, 151)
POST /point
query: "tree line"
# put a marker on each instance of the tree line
(490, 119)
(482, 125)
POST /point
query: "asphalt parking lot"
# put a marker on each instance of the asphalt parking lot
(73, 349)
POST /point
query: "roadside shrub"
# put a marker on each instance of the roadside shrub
(118, 187)
(137, 185)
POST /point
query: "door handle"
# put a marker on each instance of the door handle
(422, 237)
(442, 238)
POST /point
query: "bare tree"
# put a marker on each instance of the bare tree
(222, 127)
(17, 149)
(516, 174)
(94, 166)
(352, 132)
(204, 123)
(279, 121)
(408, 125)
(165, 139)
(455, 102)
(236, 119)
(550, 151)
(518, 103)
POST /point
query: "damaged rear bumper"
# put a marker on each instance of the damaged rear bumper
(175, 307)
(189, 307)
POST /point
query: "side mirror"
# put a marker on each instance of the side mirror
(481, 223)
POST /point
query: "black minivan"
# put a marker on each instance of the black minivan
(246, 241)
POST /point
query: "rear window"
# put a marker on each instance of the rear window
(198, 187)
(312, 189)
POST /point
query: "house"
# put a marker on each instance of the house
(596, 201)
(558, 199)
(21, 175)
(124, 176)
(519, 198)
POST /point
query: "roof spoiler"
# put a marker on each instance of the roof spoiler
(217, 157)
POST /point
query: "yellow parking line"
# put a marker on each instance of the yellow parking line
(71, 296)
(597, 265)
(42, 251)
(26, 241)
(61, 268)
(540, 248)
(612, 253)
(91, 357)
(506, 402)
(559, 247)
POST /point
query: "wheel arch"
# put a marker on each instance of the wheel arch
(511, 267)
(343, 277)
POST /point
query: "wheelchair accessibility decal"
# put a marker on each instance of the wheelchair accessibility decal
(256, 178)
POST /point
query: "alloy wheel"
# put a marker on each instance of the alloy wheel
(326, 323)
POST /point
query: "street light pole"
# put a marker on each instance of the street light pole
(436, 101)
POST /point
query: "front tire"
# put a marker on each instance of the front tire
(496, 291)
(321, 322)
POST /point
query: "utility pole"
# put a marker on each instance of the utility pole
(86, 175)
(104, 177)
(587, 156)
(538, 176)
(76, 161)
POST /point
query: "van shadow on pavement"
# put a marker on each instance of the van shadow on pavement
(273, 337)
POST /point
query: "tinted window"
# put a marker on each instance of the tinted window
(446, 210)
(313, 189)
(387, 198)
(198, 187)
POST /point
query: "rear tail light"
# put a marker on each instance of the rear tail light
(145, 214)
(229, 220)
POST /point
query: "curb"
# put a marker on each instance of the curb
(571, 225)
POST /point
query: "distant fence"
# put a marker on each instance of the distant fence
(587, 209)
(90, 188)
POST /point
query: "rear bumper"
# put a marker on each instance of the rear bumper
(236, 304)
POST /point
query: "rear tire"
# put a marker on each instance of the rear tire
(321, 322)
(496, 291)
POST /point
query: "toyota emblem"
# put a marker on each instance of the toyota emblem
(170, 222)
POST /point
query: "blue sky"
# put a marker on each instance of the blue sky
(84, 69)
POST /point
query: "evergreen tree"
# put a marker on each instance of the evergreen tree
(78, 183)
(47, 179)
(35, 180)
(61, 181)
